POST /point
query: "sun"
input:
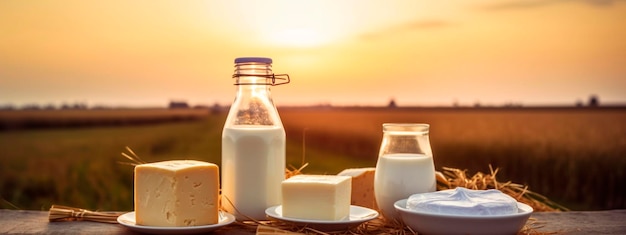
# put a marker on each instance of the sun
(291, 24)
(303, 24)
(297, 37)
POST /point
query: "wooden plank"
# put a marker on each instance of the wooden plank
(36, 222)
(29, 222)
(573, 222)
(583, 222)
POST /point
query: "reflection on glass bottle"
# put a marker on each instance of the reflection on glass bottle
(256, 114)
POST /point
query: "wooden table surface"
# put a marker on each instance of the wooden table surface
(573, 222)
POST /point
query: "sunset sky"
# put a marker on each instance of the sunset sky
(339, 52)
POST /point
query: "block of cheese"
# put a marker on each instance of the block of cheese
(362, 186)
(316, 197)
(176, 193)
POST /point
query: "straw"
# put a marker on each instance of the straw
(451, 178)
(448, 178)
(66, 213)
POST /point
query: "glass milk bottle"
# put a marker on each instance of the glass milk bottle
(405, 166)
(253, 142)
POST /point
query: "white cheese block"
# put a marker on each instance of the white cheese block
(462, 201)
(362, 186)
(176, 193)
(316, 197)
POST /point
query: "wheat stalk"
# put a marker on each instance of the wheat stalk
(134, 158)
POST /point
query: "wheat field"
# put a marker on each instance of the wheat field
(577, 157)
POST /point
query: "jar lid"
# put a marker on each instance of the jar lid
(253, 60)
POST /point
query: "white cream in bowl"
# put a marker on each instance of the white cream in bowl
(463, 201)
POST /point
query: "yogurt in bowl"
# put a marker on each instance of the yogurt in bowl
(469, 217)
(462, 201)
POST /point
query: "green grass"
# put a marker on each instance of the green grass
(81, 166)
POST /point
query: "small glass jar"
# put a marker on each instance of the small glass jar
(405, 166)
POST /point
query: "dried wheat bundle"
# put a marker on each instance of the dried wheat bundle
(376, 226)
(451, 178)
(383, 226)
(66, 213)
(270, 230)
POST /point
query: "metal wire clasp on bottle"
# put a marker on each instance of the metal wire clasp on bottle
(270, 79)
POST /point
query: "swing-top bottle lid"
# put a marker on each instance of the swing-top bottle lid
(253, 60)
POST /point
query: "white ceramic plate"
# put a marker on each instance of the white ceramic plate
(128, 220)
(357, 216)
(433, 223)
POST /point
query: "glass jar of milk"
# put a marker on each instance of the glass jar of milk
(405, 166)
(253, 142)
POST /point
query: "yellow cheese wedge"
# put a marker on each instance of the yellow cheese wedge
(316, 197)
(176, 193)
(362, 186)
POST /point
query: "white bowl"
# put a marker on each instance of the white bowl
(433, 223)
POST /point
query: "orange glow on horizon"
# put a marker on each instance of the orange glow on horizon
(338, 52)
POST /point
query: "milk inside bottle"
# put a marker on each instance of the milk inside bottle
(253, 142)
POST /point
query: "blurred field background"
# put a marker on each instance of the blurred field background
(575, 156)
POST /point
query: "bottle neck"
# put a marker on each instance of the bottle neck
(253, 73)
(253, 105)
(406, 138)
(248, 92)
